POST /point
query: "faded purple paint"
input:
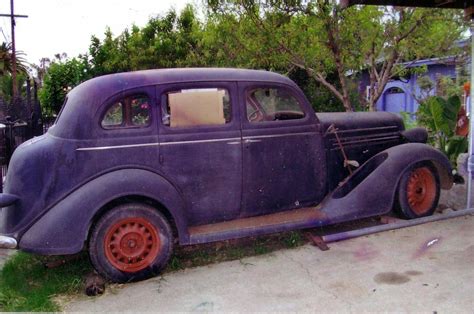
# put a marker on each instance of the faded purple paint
(69, 177)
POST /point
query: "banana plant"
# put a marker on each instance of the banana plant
(439, 116)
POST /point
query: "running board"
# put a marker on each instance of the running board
(283, 221)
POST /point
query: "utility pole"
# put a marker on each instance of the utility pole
(12, 17)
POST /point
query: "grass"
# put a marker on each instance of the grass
(27, 285)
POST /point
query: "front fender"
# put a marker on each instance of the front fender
(371, 189)
(64, 228)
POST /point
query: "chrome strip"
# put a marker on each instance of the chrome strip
(118, 146)
(201, 141)
(278, 135)
(368, 129)
(159, 144)
(362, 137)
(251, 141)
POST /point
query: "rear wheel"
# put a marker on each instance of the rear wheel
(130, 242)
(418, 191)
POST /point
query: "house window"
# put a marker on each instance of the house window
(394, 90)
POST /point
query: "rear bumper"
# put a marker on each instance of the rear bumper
(6, 200)
(8, 242)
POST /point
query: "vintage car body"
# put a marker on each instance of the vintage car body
(238, 170)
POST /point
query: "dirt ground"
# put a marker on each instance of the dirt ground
(427, 268)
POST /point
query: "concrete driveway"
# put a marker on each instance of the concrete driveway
(427, 268)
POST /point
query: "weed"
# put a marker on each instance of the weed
(235, 253)
(293, 239)
(261, 249)
(175, 264)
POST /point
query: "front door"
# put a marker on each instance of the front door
(283, 158)
(200, 148)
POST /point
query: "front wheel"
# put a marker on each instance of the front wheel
(130, 242)
(418, 191)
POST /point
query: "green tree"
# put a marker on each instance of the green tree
(6, 81)
(319, 38)
(6, 57)
(62, 76)
(165, 41)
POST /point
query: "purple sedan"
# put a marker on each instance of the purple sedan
(138, 162)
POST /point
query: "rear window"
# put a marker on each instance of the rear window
(131, 111)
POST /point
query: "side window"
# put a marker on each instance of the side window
(272, 104)
(114, 116)
(196, 107)
(131, 111)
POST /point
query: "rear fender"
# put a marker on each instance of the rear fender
(371, 189)
(64, 228)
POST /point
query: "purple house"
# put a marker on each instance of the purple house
(400, 94)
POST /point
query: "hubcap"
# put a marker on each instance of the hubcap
(132, 244)
(421, 190)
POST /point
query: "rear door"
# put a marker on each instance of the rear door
(201, 149)
(283, 158)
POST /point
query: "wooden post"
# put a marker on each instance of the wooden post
(14, 82)
(14, 69)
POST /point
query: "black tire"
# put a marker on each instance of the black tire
(131, 242)
(418, 191)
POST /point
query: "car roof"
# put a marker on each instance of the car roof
(165, 76)
(84, 100)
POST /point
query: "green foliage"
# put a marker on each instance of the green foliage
(27, 285)
(314, 42)
(319, 38)
(165, 41)
(439, 116)
(6, 64)
(6, 85)
(408, 121)
(61, 77)
(293, 239)
(6, 68)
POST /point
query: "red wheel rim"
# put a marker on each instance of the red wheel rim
(132, 244)
(421, 190)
